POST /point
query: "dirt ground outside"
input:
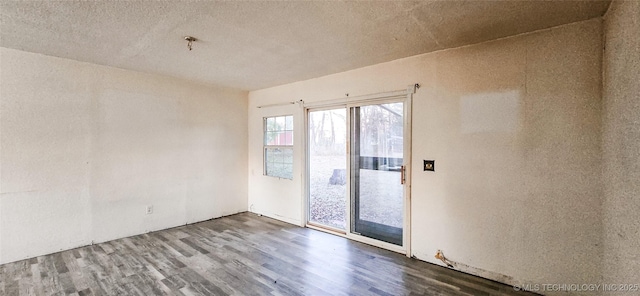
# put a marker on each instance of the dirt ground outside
(380, 194)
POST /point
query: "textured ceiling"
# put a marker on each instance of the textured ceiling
(253, 45)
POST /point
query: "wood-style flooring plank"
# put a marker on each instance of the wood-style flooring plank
(242, 254)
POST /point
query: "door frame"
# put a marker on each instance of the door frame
(405, 96)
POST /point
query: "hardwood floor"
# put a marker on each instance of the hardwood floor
(243, 254)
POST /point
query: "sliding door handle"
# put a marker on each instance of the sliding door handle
(402, 175)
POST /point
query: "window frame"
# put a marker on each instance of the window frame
(266, 146)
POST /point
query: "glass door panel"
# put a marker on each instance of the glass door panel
(376, 163)
(327, 168)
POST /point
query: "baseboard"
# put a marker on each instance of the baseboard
(461, 267)
(277, 217)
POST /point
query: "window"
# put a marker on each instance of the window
(278, 146)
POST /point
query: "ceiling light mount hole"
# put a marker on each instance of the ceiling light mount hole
(190, 41)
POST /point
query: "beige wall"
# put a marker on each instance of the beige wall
(270, 196)
(621, 143)
(514, 127)
(85, 148)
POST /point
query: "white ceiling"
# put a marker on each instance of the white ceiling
(253, 45)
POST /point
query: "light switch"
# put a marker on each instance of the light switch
(430, 165)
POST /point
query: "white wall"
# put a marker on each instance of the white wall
(84, 148)
(621, 143)
(270, 196)
(514, 127)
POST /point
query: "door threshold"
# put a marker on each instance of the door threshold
(326, 229)
(376, 243)
(358, 238)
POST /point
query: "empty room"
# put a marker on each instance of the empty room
(320, 147)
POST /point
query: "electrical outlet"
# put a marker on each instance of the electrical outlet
(149, 210)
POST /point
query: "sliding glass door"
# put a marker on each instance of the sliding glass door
(327, 131)
(377, 171)
(356, 171)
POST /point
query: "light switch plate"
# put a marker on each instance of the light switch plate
(430, 165)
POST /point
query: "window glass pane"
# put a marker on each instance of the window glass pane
(283, 155)
(278, 160)
(271, 124)
(271, 138)
(268, 156)
(287, 156)
(278, 156)
(271, 169)
(282, 171)
(279, 170)
(281, 138)
(289, 123)
(288, 138)
(280, 123)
